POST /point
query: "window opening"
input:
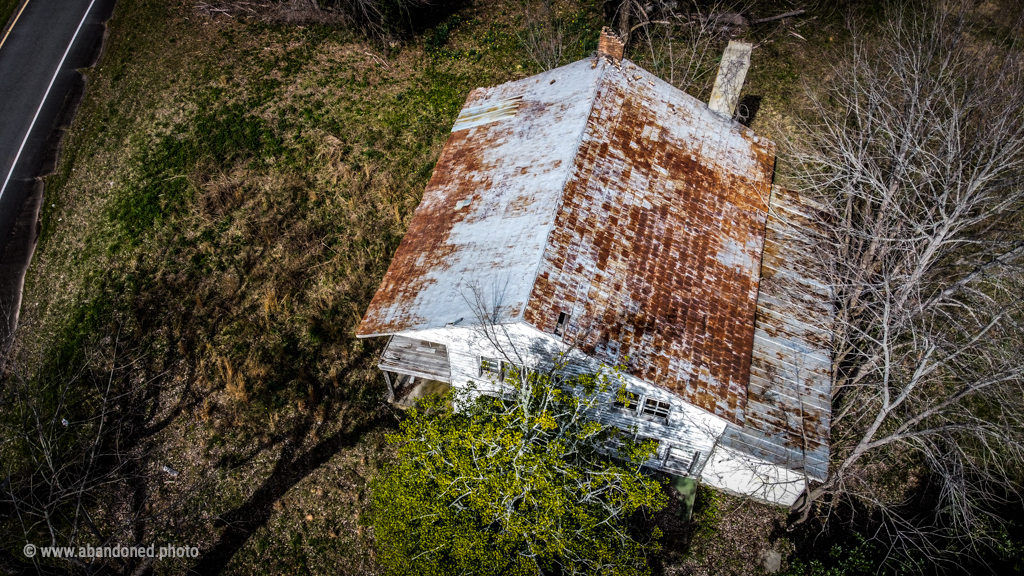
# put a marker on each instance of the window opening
(512, 371)
(490, 366)
(616, 438)
(656, 408)
(626, 401)
(693, 463)
(657, 444)
(563, 319)
(559, 379)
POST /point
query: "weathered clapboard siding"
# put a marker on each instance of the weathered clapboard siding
(519, 344)
(773, 450)
(688, 429)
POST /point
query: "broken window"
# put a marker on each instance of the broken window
(656, 409)
(512, 371)
(617, 438)
(626, 401)
(563, 319)
(490, 366)
(693, 463)
(657, 444)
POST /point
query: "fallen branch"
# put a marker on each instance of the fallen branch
(377, 59)
(737, 19)
(779, 17)
(642, 24)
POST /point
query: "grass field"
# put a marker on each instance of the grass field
(227, 202)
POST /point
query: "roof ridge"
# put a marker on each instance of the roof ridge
(569, 175)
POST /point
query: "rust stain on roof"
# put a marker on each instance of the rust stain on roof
(608, 195)
(490, 202)
(657, 242)
(425, 246)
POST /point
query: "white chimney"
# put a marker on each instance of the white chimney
(731, 74)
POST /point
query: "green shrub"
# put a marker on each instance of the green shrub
(512, 487)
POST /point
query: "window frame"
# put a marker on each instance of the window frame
(638, 407)
(617, 442)
(657, 446)
(483, 367)
(506, 372)
(655, 413)
(634, 403)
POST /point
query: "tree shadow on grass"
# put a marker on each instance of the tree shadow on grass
(291, 468)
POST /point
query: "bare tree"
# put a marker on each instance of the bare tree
(916, 154)
(681, 41)
(76, 461)
(377, 19)
(548, 38)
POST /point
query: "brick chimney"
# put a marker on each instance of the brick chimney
(610, 46)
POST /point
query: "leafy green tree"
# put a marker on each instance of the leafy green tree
(521, 485)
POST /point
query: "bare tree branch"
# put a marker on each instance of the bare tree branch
(917, 152)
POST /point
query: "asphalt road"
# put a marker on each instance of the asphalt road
(39, 56)
(39, 42)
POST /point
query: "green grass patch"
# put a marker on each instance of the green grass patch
(7, 8)
(214, 139)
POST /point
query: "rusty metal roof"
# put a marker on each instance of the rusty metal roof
(658, 239)
(789, 396)
(484, 219)
(602, 192)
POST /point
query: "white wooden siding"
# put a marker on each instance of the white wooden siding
(688, 429)
(746, 475)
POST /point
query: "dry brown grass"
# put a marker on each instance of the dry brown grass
(246, 292)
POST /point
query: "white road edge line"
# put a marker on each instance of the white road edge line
(43, 101)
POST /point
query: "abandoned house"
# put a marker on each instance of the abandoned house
(596, 210)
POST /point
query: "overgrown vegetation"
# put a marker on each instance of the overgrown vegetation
(232, 221)
(228, 199)
(557, 33)
(520, 485)
(379, 21)
(851, 560)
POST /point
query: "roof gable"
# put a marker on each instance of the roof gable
(600, 191)
(481, 229)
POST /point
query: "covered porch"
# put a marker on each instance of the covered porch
(414, 369)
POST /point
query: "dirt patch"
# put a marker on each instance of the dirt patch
(739, 541)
